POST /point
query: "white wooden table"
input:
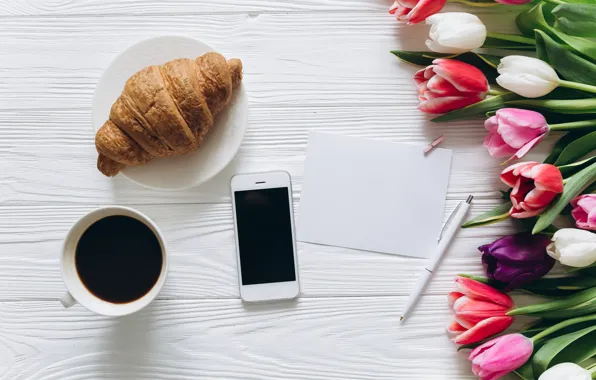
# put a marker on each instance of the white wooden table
(309, 64)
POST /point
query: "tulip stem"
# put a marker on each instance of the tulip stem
(494, 91)
(562, 325)
(512, 38)
(577, 86)
(573, 125)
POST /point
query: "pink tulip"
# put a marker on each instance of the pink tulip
(584, 211)
(514, 2)
(498, 357)
(513, 132)
(480, 311)
(448, 84)
(534, 186)
(414, 11)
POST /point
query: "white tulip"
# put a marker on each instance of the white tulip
(566, 371)
(573, 247)
(455, 32)
(528, 77)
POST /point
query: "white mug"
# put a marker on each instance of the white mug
(78, 293)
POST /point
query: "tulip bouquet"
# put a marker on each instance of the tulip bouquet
(549, 90)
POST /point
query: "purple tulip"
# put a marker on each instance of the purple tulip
(516, 260)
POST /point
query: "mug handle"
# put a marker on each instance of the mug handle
(68, 300)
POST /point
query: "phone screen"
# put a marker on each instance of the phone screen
(265, 236)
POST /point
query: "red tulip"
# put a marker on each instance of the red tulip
(448, 84)
(534, 186)
(480, 311)
(414, 11)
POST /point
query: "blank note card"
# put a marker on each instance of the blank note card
(372, 195)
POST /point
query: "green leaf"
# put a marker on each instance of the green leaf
(472, 346)
(581, 350)
(535, 18)
(575, 184)
(572, 283)
(571, 169)
(565, 106)
(531, 19)
(493, 216)
(571, 66)
(478, 109)
(419, 58)
(561, 144)
(577, 149)
(562, 328)
(576, 304)
(543, 358)
(485, 62)
(590, 190)
(576, 19)
(525, 371)
(509, 42)
(492, 60)
(481, 279)
(580, 45)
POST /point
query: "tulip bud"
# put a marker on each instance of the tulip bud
(584, 211)
(517, 260)
(513, 132)
(449, 84)
(528, 77)
(480, 311)
(567, 371)
(534, 186)
(573, 247)
(415, 11)
(498, 357)
(455, 32)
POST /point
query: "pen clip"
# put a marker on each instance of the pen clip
(449, 219)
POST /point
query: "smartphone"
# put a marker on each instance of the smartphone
(265, 238)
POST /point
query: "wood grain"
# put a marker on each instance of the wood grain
(332, 73)
(49, 156)
(203, 262)
(316, 339)
(324, 59)
(183, 7)
(309, 64)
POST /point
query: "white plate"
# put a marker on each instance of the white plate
(221, 143)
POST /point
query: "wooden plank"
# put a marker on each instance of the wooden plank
(315, 339)
(289, 59)
(203, 263)
(182, 7)
(49, 156)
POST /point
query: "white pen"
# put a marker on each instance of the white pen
(447, 234)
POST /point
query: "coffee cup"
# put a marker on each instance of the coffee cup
(114, 261)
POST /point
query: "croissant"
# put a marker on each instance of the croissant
(165, 111)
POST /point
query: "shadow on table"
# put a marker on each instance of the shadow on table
(259, 307)
(125, 192)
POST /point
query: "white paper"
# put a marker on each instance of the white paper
(372, 195)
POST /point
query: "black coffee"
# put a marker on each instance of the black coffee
(118, 259)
